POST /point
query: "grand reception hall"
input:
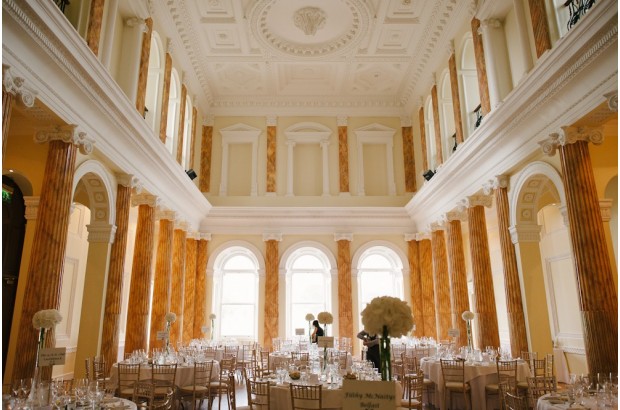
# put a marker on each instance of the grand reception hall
(238, 203)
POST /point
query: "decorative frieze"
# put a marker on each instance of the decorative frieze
(32, 207)
(68, 134)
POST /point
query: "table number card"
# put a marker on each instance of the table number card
(325, 341)
(367, 395)
(205, 329)
(454, 332)
(162, 335)
(52, 356)
(300, 331)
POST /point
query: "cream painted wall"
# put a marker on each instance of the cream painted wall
(517, 65)
(115, 54)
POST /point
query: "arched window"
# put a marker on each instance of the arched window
(557, 16)
(173, 112)
(308, 285)
(469, 85)
(379, 273)
(154, 84)
(187, 133)
(429, 124)
(448, 130)
(235, 283)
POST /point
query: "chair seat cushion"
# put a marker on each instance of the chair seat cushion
(492, 388)
(456, 386)
(190, 389)
(405, 403)
(522, 385)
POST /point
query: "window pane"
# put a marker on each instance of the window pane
(237, 321)
(308, 288)
(375, 262)
(375, 284)
(308, 262)
(239, 262)
(299, 312)
(238, 288)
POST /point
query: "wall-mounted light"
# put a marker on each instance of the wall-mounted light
(428, 174)
(191, 174)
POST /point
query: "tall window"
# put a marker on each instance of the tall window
(429, 123)
(379, 273)
(308, 286)
(187, 133)
(236, 294)
(153, 84)
(173, 112)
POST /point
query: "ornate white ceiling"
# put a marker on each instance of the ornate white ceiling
(310, 57)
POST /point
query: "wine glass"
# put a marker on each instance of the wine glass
(95, 393)
(81, 391)
(25, 386)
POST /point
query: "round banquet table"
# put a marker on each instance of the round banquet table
(184, 376)
(477, 374)
(277, 359)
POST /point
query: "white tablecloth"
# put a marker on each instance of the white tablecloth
(184, 376)
(560, 402)
(478, 377)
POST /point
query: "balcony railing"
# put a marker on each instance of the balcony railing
(62, 4)
(577, 9)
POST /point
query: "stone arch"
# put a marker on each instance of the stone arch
(94, 180)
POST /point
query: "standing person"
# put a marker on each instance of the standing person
(372, 343)
(318, 331)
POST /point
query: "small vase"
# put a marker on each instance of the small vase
(324, 358)
(385, 356)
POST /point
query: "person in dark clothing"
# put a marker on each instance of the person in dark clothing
(318, 331)
(372, 343)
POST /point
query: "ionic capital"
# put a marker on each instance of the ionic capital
(208, 120)
(605, 205)
(410, 237)
(570, 135)
(475, 200)
(145, 199)
(342, 121)
(204, 236)
(127, 180)
(454, 216)
(193, 235)
(343, 237)
(525, 233)
(181, 224)
(272, 236)
(68, 134)
(490, 23)
(272, 120)
(165, 214)
(436, 226)
(405, 121)
(136, 22)
(612, 101)
(101, 233)
(423, 236)
(15, 85)
(500, 181)
(32, 207)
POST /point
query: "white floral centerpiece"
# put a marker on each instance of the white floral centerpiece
(310, 318)
(43, 320)
(170, 318)
(389, 317)
(325, 318)
(212, 317)
(468, 316)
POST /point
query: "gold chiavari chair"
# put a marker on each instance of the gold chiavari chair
(507, 375)
(305, 397)
(201, 384)
(258, 394)
(413, 387)
(128, 375)
(539, 385)
(221, 387)
(453, 372)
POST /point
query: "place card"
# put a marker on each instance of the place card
(163, 335)
(325, 341)
(52, 356)
(363, 394)
(300, 331)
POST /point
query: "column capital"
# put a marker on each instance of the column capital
(475, 200)
(68, 134)
(169, 46)
(165, 214)
(612, 100)
(204, 236)
(145, 199)
(450, 48)
(490, 23)
(410, 237)
(136, 22)
(500, 181)
(343, 237)
(101, 233)
(272, 236)
(208, 120)
(181, 224)
(15, 85)
(455, 216)
(605, 205)
(127, 180)
(32, 207)
(271, 120)
(192, 235)
(436, 226)
(570, 135)
(422, 236)
(525, 233)
(342, 121)
(405, 121)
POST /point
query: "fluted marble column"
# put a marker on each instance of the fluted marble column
(540, 25)
(271, 155)
(165, 97)
(409, 158)
(345, 301)
(271, 288)
(481, 68)
(44, 280)
(343, 153)
(484, 298)
(178, 273)
(95, 18)
(205, 156)
(189, 289)
(200, 298)
(114, 288)
(456, 98)
(437, 125)
(423, 139)
(181, 129)
(598, 299)
(428, 290)
(459, 296)
(140, 287)
(163, 272)
(512, 286)
(415, 281)
(143, 70)
(441, 281)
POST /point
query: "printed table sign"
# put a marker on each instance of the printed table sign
(162, 335)
(205, 329)
(52, 356)
(454, 332)
(369, 395)
(300, 331)
(325, 341)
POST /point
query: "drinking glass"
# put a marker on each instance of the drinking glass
(80, 389)
(95, 393)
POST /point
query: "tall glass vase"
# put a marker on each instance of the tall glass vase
(36, 375)
(310, 332)
(212, 328)
(385, 356)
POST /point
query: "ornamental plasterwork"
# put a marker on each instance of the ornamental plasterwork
(500, 181)
(310, 19)
(145, 199)
(570, 135)
(101, 233)
(68, 134)
(15, 85)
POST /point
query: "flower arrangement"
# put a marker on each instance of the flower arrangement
(310, 318)
(171, 317)
(325, 318)
(389, 317)
(468, 316)
(212, 316)
(43, 320)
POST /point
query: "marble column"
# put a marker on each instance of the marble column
(484, 298)
(428, 290)
(44, 279)
(598, 297)
(192, 141)
(178, 273)
(205, 158)
(415, 281)
(271, 155)
(189, 289)
(481, 68)
(343, 154)
(271, 288)
(459, 295)
(137, 330)
(163, 272)
(345, 299)
(114, 288)
(93, 33)
(540, 25)
(423, 139)
(441, 281)
(181, 129)
(143, 70)
(408, 157)
(456, 98)
(12, 86)
(165, 98)
(200, 298)
(512, 286)
(437, 125)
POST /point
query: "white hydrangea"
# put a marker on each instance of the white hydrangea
(387, 311)
(46, 319)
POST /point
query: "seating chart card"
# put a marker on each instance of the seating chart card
(163, 335)
(52, 356)
(205, 329)
(325, 341)
(368, 395)
(300, 331)
(454, 332)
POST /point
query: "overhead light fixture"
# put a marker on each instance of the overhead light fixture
(428, 174)
(191, 174)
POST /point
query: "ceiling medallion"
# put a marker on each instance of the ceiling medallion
(310, 19)
(319, 28)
